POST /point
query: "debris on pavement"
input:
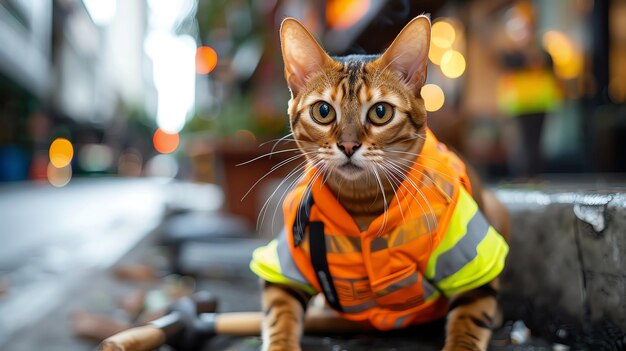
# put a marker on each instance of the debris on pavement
(135, 272)
(95, 327)
(519, 333)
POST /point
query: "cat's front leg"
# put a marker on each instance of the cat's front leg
(284, 309)
(471, 317)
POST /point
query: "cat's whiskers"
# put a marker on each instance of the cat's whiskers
(274, 168)
(385, 206)
(277, 140)
(269, 154)
(404, 169)
(430, 229)
(408, 179)
(317, 165)
(264, 208)
(303, 166)
(307, 190)
(417, 136)
(409, 166)
(394, 182)
(416, 161)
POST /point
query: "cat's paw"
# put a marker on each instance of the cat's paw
(462, 347)
(281, 347)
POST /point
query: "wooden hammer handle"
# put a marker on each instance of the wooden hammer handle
(233, 323)
(249, 323)
(136, 339)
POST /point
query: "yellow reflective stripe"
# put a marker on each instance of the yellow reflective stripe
(465, 209)
(486, 266)
(270, 264)
(451, 261)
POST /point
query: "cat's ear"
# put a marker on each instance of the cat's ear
(408, 54)
(302, 55)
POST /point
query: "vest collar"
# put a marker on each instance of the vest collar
(332, 210)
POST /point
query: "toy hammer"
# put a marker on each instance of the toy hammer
(186, 329)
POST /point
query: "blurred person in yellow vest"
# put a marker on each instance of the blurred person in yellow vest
(527, 89)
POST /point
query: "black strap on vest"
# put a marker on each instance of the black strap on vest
(317, 248)
(317, 244)
(302, 218)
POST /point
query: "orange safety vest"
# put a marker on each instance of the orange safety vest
(380, 275)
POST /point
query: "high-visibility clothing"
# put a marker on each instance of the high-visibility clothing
(528, 91)
(431, 243)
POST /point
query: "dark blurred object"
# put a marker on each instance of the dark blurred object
(608, 132)
(195, 228)
(381, 22)
(14, 163)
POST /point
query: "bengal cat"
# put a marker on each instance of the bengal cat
(348, 116)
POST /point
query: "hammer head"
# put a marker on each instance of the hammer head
(182, 327)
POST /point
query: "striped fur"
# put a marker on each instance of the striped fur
(282, 326)
(365, 182)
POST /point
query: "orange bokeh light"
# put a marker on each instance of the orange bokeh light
(341, 14)
(206, 60)
(165, 143)
(61, 152)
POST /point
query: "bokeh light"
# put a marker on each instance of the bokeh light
(442, 34)
(433, 97)
(244, 134)
(452, 64)
(130, 163)
(435, 53)
(568, 60)
(206, 60)
(162, 166)
(95, 157)
(59, 176)
(61, 152)
(165, 143)
(342, 14)
(442, 37)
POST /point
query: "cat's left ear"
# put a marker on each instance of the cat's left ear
(302, 55)
(408, 54)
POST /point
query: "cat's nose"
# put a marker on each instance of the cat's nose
(348, 147)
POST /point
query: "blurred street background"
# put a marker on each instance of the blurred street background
(126, 127)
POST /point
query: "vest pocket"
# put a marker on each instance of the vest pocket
(400, 290)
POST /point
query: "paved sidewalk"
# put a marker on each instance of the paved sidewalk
(55, 243)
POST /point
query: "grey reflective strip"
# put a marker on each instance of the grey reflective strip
(406, 233)
(423, 225)
(444, 187)
(427, 288)
(351, 280)
(399, 321)
(378, 244)
(362, 307)
(464, 251)
(342, 244)
(288, 267)
(401, 284)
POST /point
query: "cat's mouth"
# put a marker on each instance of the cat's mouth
(350, 167)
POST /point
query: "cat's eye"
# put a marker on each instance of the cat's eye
(380, 113)
(322, 112)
